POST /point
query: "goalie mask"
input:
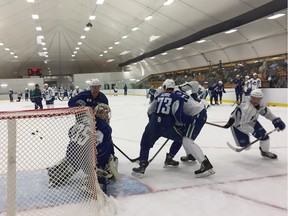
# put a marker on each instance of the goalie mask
(103, 112)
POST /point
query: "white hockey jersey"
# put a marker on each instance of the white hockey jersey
(49, 94)
(246, 115)
(255, 83)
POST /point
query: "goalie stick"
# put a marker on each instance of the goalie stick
(250, 144)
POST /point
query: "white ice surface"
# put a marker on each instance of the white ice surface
(244, 183)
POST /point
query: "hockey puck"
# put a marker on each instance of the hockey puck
(33, 133)
(41, 137)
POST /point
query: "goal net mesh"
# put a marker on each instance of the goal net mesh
(48, 164)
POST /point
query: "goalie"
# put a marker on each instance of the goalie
(77, 150)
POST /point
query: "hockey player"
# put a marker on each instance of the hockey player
(36, 97)
(115, 89)
(90, 97)
(247, 88)
(214, 93)
(11, 95)
(77, 150)
(151, 94)
(238, 88)
(255, 82)
(220, 90)
(49, 96)
(26, 94)
(190, 131)
(76, 91)
(19, 96)
(244, 121)
(164, 112)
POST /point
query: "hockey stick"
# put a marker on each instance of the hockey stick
(234, 103)
(132, 160)
(158, 151)
(217, 125)
(247, 146)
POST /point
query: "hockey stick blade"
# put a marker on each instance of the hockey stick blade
(131, 160)
(216, 125)
(250, 144)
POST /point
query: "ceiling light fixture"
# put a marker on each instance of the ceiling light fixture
(153, 57)
(231, 31)
(201, 41)
(148, 18)
(38, 28)
(79, 43)
(86, 28)
(7, 49)
(92, 17)
(125, 36)
(82, 37)
(77, 48)
(276, 16)
(35, 16)
(134, 29)
(1, 44)
(110, 48)
(117, 42)
(168, 2)
(179, 48)
(101, 55)
(165, 53)
(99, 1)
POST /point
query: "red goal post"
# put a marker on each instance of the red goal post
(33, 142)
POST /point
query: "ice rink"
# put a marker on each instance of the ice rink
(244, 183)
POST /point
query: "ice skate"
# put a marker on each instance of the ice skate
(139, 172)
(205, 169)
(188, 158)
(169, 162)
(268, 154)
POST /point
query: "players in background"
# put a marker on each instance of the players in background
(115, 90)
(244, 121)
(220, 90)
(36, 97)
(255, 82)
(56, 92)
(238, 89)
(125, 89)
(164, 112)
(213, 90)
(247, 88)
(49, 96)
(90, 97)
(151, 94)
(11, 95)
(76, 91)
(19, 96)
(26, 94)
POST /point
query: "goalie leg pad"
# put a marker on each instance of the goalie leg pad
(60, 173)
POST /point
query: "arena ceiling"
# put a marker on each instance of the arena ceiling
(58, 48)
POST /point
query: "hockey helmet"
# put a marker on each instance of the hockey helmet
(103, 112)
(77, 87)
(257, 93)
(220, 82)
(168, 84)
(247, 77)
(254, 74)
(95, 82)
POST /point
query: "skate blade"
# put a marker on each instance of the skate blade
(138, 175)
(205, 174)
(170, 166)
(190, 162)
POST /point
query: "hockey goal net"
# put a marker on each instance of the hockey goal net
(48, 164)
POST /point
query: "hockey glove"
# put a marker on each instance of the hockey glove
(229, 123)
(278, 123)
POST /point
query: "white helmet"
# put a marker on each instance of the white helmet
(194, 86)
(95, 82)
(220, 82)
(254, 74)
(257, 93)
(168, 83)
(77, 87)
(247, 77)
